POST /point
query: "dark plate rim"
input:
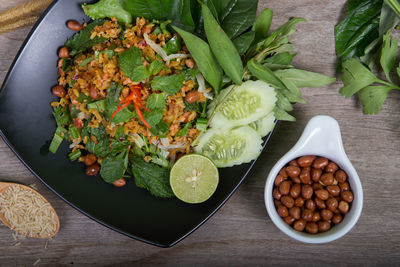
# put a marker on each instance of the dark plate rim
(162, 245)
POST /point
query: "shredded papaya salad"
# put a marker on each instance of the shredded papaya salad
(138, 92)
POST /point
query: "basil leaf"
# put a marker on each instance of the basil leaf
(388, 19)
(373, 97)
(222, 47)
(179, 11)
(389, 52)
(81, 41)
(204, 58)
(171, 84)
(281, 59)
(302, 78)
(355, 77)
(107, 9)
(358, 29)
(283, 115)
(129, 60)
(243, 42)
(239, 16)
(151, 177)
(113, 168)
(263, 24)
(265, 74)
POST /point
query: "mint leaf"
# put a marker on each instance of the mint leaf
(111, 104)
(139, 74)
(113, 168)
(129, 60)
(171, 84)
(151, 177)
(155, 67)
(156, 101)
(81, 41)
(389, 52)
(373, 97)
(107, 9)
(355, 77)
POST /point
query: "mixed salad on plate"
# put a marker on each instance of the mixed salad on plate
(165, 92)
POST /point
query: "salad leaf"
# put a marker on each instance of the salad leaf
(389, 52)
(111, 104)
(179, 11)
(129, 60)
(372, 98)
(237, 16)
(302, 78)
(184, 131)
(81, 41)
(107, 9)
(358, 29)
(203, 57)
(263, 23)
(388, 19)
(156, 105)
(170, 84)
(118, 146)
(151, 177)
(243, 42)
(113, 168)
(222, 47)
(155, 67)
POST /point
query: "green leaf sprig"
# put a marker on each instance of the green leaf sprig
(371, 90)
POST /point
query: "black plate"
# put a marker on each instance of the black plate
(26, 124)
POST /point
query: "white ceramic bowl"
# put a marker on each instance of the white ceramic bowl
(321, 137)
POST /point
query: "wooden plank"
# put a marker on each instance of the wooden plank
(241, 233)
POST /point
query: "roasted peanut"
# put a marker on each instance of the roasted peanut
(120, 182)
(305, 175)
(295, 190)
(324, 226)
(326, 214)
(316, 216)
(333, 190)
(327, 179)
(307, 192)
(58, 91)
(340, 176)
(63, 52)
(332, 204)
(289, 220)
(312, 228)
(316, 174)
(344, 186)
(295, 212)
(287, 201)
(89, 159)
(307, 215)
(293, 163)
(343, 207)
(284, 187)
(93, 169)
(74, 25)
(337, 218)
(320, 203)
(299, 202)
(347, 196)
(299, 225)
(193, 96)
(293, 171)
(320, 163)
(276, 194)
(279, 179)
(282, 211)
(310, 205)
(322, 194)
(332, 167)
(306, 161)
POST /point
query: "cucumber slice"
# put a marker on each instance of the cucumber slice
(228, 147)
(264, 125)
(249, 102)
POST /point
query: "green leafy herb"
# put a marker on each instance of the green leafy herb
(129, 60)
(170, 84)
(263, 23)
(184, 131)
(302, 78)
(243, 42)
(359, 79)
(113, 168)
(107, 9)
(222, 47)
(75, 155)
(179, 11)
(204, 58)
(151, 177)
(85, 61)
(57, 139)
(111, 104)
(81, 41)
(173, 45)
(61, 115)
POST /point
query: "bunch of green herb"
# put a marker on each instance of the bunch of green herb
(363, 44)
(250, 52)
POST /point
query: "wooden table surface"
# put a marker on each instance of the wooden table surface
(241, 233)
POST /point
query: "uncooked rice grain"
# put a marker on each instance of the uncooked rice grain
(28, 213)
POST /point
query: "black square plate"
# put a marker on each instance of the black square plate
(26, 125)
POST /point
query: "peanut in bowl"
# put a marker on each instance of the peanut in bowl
(311, 177)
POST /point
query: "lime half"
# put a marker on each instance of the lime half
(194, 178)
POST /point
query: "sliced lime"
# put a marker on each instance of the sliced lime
(194, 178)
